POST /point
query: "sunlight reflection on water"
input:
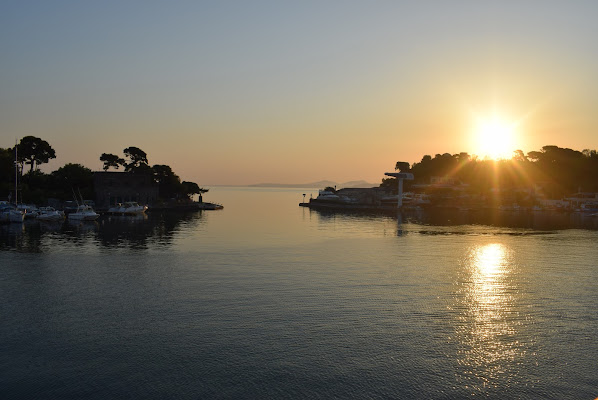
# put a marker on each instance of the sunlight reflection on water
(487, 333)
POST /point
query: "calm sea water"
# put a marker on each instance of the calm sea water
(265, 299)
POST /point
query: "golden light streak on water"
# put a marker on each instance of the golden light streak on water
(487, 329)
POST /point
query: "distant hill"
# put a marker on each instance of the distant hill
(358, 184)
(318, 185)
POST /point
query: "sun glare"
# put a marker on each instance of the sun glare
(495, 137)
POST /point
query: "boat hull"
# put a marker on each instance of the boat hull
(83, 217)
(12, 216)
(84, 213)
(50, 217)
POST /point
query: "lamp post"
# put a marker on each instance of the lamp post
(304, 197)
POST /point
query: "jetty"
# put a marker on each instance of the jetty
(363, 199)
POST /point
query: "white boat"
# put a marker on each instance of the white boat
(29, 210)
(589, 207)
(133, 208)
(9, 213)
(49, 214)
(127, 208)
(512, 207)
(84, 213)
(116, 210)
(327, 195)
(416, 199)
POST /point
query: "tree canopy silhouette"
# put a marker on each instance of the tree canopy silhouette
(73, 177)
(34, 151)
(559, 171)
(137, 160)
(111, 161)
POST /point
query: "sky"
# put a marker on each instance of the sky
(244, 92)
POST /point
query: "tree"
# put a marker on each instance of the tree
(518, 155)
(441, 165)
(169, 184)
(7, 171)
(402, 166)
(111, 160)
(463, 157)
(137, 160)
(34, 151)
(73, 177)
(191, 188)
(163, 174)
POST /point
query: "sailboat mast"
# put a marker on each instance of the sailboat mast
(16, 176)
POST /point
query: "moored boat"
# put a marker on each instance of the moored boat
(9, 213)
(589, 207)
(50, 214)
(29, 210)
(84, 213)
(133, 208)
(127, 208)
(116, 209)
(327, 195)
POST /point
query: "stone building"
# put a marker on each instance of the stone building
(117, 187)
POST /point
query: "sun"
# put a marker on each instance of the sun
(495, 137)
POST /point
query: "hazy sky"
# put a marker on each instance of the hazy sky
(277, 91)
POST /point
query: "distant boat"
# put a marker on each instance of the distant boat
(327, 195)
(416, 199)
(116, 209)
(512, 207)
(133, 208)
(49, 214)
(410, 200)
(9, 213)
(589, 207)
(84, 213)
(128, 208)
(70, 207)
(29, 210)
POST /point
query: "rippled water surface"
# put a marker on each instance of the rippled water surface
(265, 299)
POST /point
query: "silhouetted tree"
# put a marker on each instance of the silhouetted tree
(73, 177)
(557, 171)
(518, 155)
(34, 151)
(35, 187)
(7, 171)
(137, 160)
(169, 184)
(191, 188)
(402, 166)
(111, 161)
